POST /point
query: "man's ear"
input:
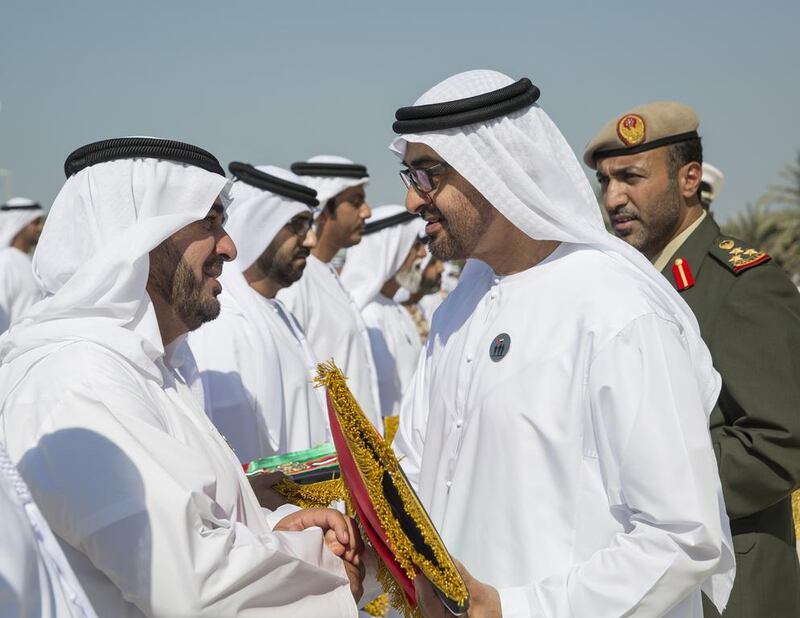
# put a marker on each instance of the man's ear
(689, 177)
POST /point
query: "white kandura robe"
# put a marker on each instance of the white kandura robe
(395, 347)
(35, 577)
(18, 288)
(151, 507)
(335, 329)
(256, 377)
(576, 474)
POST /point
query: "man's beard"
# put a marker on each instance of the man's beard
(661, 224)
(461, 231)
(172, 278)
(430, 286)
(281, 268)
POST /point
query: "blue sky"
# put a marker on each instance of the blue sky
(273, 82)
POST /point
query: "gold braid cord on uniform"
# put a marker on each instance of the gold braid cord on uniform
(406, 528)
(796, 509)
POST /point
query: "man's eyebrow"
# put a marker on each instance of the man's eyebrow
(422, 160)
(624, 169)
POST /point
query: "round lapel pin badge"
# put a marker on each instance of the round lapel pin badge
(499, 347)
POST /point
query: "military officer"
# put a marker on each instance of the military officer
(649, 166)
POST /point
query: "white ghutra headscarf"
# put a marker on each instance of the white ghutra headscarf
(328, 187)
(92, 260)
(255, 216)
(15, 214)
(524, 167)
(379, 256)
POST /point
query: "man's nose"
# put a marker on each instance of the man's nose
(226, 248)
(365, 212)
(614, 196)
(310, 241)
(415, 200)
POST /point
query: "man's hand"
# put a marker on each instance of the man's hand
(341, 534)
(484, 600)
(262, 485)
(355, 573)
(427, 602)
(341, 537)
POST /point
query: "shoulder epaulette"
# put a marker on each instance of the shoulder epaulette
(736, 255)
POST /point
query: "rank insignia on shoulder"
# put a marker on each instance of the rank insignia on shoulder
(684, 279)
(736, 256)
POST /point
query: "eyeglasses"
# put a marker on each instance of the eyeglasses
(422, 178)
(300, 225)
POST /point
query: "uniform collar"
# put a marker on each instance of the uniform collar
(694, 249)
(665, 256)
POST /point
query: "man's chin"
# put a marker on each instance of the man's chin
(635, 240)
(443, 248)
(287, 275)
(202, 313)
(294, 275)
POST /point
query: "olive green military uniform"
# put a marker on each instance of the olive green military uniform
(749, 316)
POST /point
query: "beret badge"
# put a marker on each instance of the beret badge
(631, 129)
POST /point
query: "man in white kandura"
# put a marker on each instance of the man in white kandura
(373, 271)
(557, 432)
(430, 286)
(325, 309)
(254, 362)
(448, 280)
(20, 226)
(151, 507)
(35, 577)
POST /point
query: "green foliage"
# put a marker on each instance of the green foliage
(773, 224)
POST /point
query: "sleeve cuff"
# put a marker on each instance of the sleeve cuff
(514, 603)
(273, 517)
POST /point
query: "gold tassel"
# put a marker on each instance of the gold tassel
(312, 495)
(379, 606)
(372, 455)
(390, 426)
(394, 592)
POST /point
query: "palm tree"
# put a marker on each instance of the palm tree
(789, 194)
(787, 243)
(773, 224)
(756, 225)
